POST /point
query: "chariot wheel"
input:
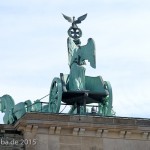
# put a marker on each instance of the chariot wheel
(105, 108)
(109, 98)
(55, 96)
(75, 33)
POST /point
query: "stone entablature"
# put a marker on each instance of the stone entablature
(43, 131)
(92, 126)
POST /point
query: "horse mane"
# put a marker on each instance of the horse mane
(7, 102)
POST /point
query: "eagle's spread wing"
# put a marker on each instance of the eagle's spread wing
(69, 19)
(87, 52)
(81, 18)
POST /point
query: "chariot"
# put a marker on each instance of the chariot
(96, 91)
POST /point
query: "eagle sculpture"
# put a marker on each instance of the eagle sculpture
(73, 21)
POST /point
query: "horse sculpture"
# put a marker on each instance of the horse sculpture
(13, 112)
(6, 105)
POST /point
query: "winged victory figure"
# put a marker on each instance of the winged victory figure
(77, 54)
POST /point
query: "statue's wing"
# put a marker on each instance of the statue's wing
(87, 52)
(72, 51)
(81, 18)
(69, 19)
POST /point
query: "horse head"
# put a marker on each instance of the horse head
(1, 105)
(6, 103)
(37, 106)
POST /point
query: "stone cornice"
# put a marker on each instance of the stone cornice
(105, 127)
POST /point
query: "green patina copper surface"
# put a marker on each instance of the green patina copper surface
(76, 59)
(13, 112)
(55, 96)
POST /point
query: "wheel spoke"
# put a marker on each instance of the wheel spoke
(55, 96)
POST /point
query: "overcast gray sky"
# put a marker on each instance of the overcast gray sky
(33, 48)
